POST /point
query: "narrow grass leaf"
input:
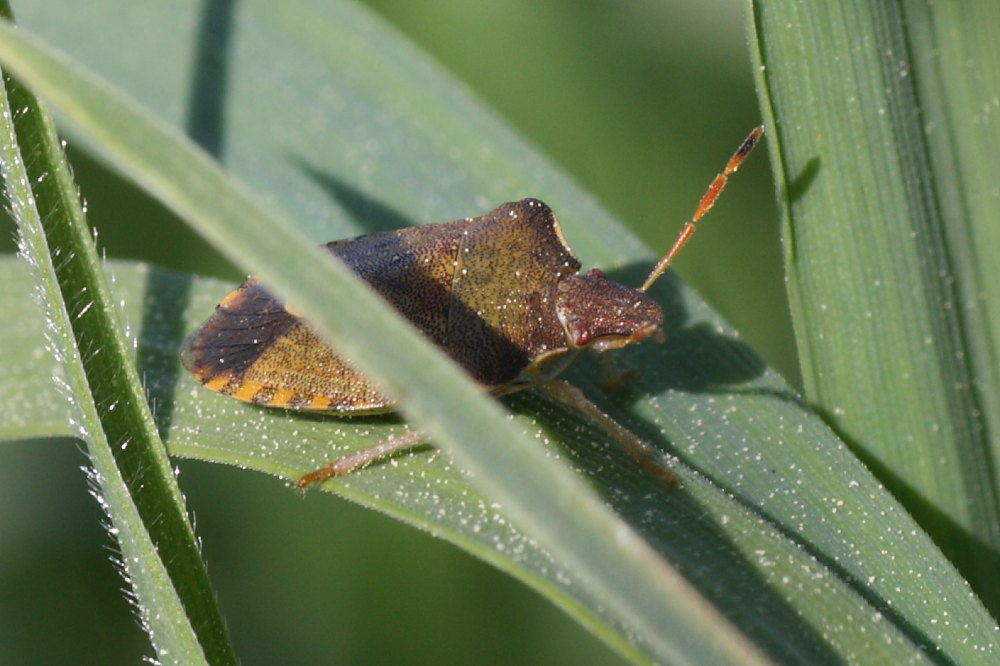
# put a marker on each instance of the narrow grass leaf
(885, 130)
(131, 476)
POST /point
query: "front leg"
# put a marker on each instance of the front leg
(612, 379)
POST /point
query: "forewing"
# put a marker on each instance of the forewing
(254, 350)
(412, 269)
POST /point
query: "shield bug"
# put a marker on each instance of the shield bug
(500, 294)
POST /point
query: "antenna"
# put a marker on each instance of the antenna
(706, 203)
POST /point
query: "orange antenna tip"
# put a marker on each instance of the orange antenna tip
(705, 204)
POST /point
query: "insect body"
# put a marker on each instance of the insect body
(500, 294)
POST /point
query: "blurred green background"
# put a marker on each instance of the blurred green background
(642, 102)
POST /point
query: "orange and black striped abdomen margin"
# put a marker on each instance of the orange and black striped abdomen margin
(254, 350)
(245, 323)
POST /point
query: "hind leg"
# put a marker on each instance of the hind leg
(359, 459)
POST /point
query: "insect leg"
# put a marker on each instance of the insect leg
(355, 461)
(639, 450)
(612, 378)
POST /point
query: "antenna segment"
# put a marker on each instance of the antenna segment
(706, 203)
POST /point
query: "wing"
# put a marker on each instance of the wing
(253, 350)
(412, 268)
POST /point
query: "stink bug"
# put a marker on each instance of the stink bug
(500, 294)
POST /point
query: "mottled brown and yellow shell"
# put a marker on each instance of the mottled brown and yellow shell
(483, 289)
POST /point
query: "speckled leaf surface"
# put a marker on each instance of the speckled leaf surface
(883, 141)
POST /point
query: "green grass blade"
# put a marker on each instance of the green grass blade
(723, 561)
(886, 147)
(131, 474)
(777, 524)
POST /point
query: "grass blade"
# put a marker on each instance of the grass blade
(131, 475)
(881, 144)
